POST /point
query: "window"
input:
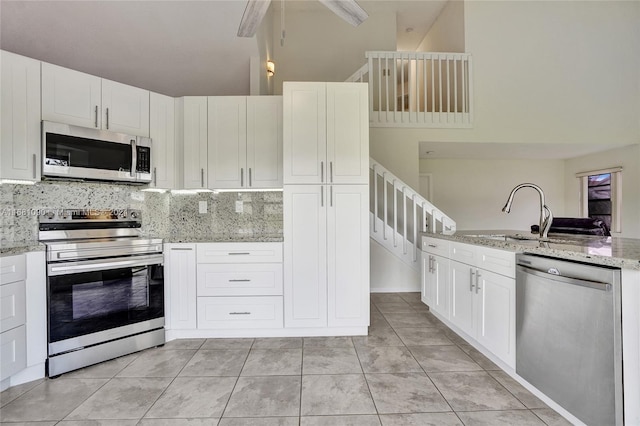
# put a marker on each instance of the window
(600, 196)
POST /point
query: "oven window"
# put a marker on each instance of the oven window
(72, 151)
(89, 302)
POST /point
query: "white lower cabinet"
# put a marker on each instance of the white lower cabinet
(326, 256)
(240, 312)
(23, 332)
(180, 286)
(435, 276)
(480, 292)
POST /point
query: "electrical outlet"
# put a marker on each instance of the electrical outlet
(239, 206)
(202, 207)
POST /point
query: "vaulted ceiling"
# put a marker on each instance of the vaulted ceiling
(173, 47)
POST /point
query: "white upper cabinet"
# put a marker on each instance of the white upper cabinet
(125, 109)
(227, 147)
(81, 99)
(191, 121)
(71, 97)
(20, 122)
(348, 133)
(245, 142)
(326, 133)
(162, 131)
(305, 132)
(264, 141)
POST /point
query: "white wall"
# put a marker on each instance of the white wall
(319, 46)
(399, 156)
(473, 192)
(447, 32)
(629, 159)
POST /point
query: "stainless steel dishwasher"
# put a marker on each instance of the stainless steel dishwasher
(568, 335)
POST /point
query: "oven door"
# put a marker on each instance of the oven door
(95, 301)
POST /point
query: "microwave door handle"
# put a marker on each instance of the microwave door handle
(134, 158)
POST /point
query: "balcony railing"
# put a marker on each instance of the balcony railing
(418, 89)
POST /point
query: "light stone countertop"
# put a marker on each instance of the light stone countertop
(20, 247)
(227, 239)
(610, 251)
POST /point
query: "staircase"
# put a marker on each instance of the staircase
(420, 90)
(398, 216)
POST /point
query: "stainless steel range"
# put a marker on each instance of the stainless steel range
(105, 287)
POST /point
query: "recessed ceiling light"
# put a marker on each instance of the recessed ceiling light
(409, 29)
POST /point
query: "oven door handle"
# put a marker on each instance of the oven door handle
(54, 269)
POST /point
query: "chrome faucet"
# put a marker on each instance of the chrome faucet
(546, 217)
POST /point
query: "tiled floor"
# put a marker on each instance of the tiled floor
(410, 370)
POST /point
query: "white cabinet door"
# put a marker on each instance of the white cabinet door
(462, 287)
(348, 255)
(193, 133)
(305, 133)
(125, 109)
(20, 108)
(348, 133)
(180, 286)
(13, 307)
(305, 256)
(440, 286)
(264, 141)
(227, 142)
(162, 130)
(71, 97)
(13, 352)
(496, 301)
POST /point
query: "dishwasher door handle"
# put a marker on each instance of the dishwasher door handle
(567, 280)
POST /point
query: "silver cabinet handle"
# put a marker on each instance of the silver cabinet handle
(331, 196)
(471, 276)
(202, 178)
(432, 245)
(241, 176)
(322, 196)
(240, 281)
(181, 248)
(96, 123)
(35, 165)
(155, 176)
(322, 171)
(477, 282)
(239, 254)
(239, 313)
(331, 171)
(107, 118)
(250, 184)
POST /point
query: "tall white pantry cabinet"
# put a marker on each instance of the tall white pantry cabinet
(326, 201)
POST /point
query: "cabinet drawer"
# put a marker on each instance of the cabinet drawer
(12, 269)
(501, 262)
(239, 252)
(435, 246)
(12, 305)
(13, 351)
(251, 279)
(464, 253)
(240, 312)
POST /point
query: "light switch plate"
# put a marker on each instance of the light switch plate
(202, 207)
(239, 206)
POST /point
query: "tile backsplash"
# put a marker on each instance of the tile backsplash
(174, 216)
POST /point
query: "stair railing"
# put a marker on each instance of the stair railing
(409, 214)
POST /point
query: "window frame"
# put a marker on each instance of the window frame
(616, 195)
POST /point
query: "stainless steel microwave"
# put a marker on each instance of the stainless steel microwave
(73, 152)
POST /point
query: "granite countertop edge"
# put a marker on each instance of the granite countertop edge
(574, 252)
(20, 247)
